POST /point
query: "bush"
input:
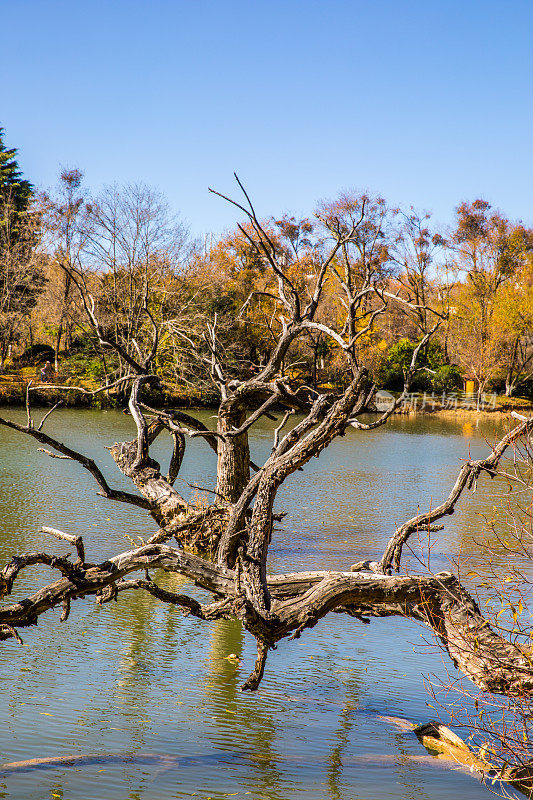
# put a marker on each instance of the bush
(84, 366)
(437, 376)
(446, 378)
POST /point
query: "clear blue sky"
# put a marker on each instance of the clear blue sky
(425, 102)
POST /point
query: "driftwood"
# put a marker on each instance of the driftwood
(162, 760)
(439, 739)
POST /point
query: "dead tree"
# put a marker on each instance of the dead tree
(224, 548)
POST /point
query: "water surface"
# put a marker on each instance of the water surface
(137, 679)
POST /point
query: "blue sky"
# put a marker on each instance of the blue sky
(428, 103)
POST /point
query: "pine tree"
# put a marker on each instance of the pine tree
(21, 274)
(15, 191)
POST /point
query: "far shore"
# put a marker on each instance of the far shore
(498, 413)
(13, 394)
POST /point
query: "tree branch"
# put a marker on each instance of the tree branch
(466, 479)
(88, 463)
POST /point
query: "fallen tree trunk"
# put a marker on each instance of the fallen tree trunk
(299, 601)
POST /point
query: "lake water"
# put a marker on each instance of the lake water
(150, 697)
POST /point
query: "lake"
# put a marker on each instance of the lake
(150, 697)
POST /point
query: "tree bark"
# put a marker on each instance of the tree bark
(299, 601)
(233, 453)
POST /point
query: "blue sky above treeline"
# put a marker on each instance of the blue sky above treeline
(426, 103)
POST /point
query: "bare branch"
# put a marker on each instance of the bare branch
(77, 541)
(48, 413)
(466, 479)
(88, 463)
(82, 390)
(254, 679)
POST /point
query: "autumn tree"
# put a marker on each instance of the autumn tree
(66, 218)
(490, 251)
(417, 249)
(513, 322)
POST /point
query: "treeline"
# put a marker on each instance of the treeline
(147, 279)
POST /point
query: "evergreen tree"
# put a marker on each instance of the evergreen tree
(21, 273)
(15, 191)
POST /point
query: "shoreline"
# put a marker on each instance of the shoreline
(13, 394)
(497, 413)
(74, 400)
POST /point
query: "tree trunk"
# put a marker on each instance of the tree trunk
(510, 384)
(58, 345)
(314, 378)
(233, 468)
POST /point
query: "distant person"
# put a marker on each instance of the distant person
(45, 372)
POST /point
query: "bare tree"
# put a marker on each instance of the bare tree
(415, 250)
(124, 250)
(135, 248)
(499, 726)
(66, 216)
(224, 547)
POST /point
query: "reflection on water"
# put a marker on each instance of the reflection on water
(154, 694)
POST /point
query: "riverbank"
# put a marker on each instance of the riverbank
(66, 389)
(81, 392)
(502, 408)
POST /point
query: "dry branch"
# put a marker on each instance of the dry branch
(467, 478)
